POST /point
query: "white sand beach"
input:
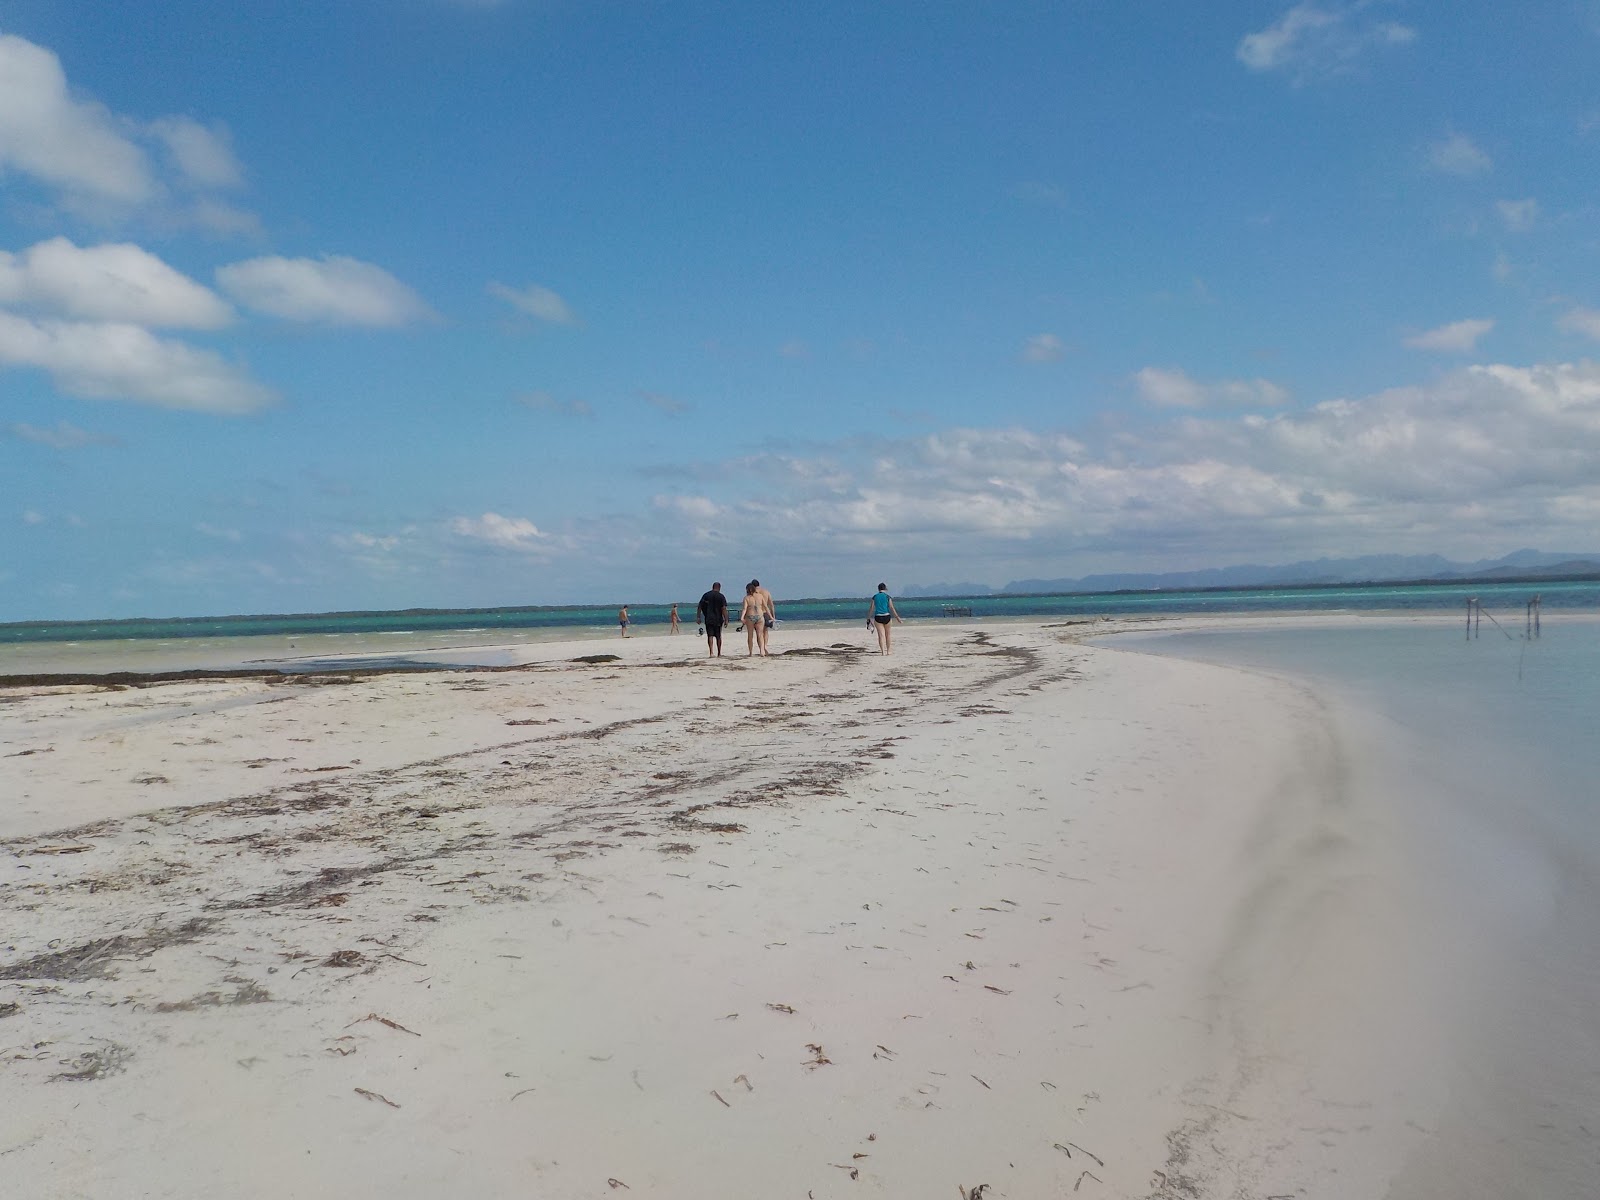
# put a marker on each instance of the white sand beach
(1001, 915)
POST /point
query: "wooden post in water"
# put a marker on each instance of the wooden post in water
(1538, 607)
(1472, 603)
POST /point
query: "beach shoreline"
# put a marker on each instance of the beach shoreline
(478, 648)
(459, 930)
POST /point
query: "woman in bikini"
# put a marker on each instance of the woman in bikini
(879, 613)
(750, 615)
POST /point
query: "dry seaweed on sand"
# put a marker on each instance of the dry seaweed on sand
(111, 1059)
(93, 959)
(372, 1016)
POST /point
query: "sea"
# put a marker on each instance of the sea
(1492, 733)
(305, 640)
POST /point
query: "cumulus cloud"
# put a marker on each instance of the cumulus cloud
(1168, 387)
(508, 533)
(535, 301)
(106, 165)
(1458, 337)
(202, 154)
(1582, 320)
(1518, 447)
(1313, 40)
(113, 282)
(1458, 154)
(331, 290)
(690, 508)
(71, 144)
(64, 436)
(1043, 347)
(545, 402)
(118, 361)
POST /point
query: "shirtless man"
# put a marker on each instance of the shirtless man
(712, 612)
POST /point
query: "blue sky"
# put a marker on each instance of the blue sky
(428, 302)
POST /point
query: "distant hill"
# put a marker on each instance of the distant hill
(1373, 568)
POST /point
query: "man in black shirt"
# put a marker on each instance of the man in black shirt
(713, 612)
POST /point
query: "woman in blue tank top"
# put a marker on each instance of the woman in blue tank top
(880, 614)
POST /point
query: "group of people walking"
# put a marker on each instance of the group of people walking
(757, 615)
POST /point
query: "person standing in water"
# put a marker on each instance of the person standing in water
(622, 619)
(879, 613)
(672, 620)
(712, 612)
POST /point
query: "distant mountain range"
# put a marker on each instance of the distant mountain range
(1373, 568)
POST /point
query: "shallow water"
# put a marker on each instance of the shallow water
(1498, 795)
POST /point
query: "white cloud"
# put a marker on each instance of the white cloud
(1312, 40)
(1517, 446)
(203, 155)
(1043, 347)
(118, 361)
(333, 289)
(690, 508)
(112, 282)
(1519, 215)
(1458, 337)
(545, 402)
(99, 163)
(1168, 387)
(374, 541)
(535, 301)
(32, 517)
(221, 534)
(508, 533)
(1582, 320)
(64, 436)
(1458, 155)
(71, 144)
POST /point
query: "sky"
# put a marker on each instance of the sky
(458, 303)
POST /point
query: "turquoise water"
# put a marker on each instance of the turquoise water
(1513, 720)
(1505, 599)
(1499, 788)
